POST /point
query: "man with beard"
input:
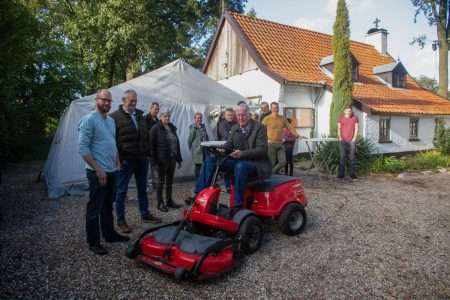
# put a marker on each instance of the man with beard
(97, 147)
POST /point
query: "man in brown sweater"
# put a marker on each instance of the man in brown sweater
(275, 124)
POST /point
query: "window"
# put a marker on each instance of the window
(398, 80)
(300, 117)
(413, 129)
(355, 72)
(385, 130)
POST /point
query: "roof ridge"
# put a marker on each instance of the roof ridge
(233, 13)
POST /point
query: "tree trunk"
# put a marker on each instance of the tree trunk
(443, 68)
(131, 63)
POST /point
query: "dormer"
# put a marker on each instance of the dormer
(394, 74)
(328, 64)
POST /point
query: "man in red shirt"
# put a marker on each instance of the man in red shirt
(347, 133)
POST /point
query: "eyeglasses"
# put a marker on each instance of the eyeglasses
(105, 99)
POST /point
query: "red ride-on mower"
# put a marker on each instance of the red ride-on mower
(209, 241)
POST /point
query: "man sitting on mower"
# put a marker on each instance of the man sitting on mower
(247, 156)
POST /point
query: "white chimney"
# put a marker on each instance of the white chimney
(377, 37)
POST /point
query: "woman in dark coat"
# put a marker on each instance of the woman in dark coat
(165, 154)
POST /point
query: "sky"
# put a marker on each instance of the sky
(397, 16)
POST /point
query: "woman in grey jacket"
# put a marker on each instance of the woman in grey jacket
(197, 134)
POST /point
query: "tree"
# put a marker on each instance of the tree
(342, 83)
(437, 13)
(428, 83)
(252, 12)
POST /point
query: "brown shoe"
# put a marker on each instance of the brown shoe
(125, 228)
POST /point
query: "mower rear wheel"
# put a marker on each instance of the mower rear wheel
(292, 220)
(250, 235)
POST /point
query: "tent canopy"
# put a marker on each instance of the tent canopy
(177, 86)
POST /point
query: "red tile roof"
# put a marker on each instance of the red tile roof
(294, 54)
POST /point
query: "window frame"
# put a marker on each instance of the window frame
(384, 138)
(412, 136)
(294, 112)
(398, 79)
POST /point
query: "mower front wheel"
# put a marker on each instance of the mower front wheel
(292, 220)
(132, 251)
(250, 235)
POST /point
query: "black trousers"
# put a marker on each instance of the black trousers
(165, 171)
(99, 209)
(347, 149)
(289, 148)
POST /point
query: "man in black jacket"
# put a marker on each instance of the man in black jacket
(134, 148)
(247, 148)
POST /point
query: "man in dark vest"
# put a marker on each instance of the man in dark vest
(134, 149)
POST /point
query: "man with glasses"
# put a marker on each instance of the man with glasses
(97, 147)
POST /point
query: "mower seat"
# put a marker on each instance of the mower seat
(188, 242)
(269, 184)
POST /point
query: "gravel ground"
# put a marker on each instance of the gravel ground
(378, 237)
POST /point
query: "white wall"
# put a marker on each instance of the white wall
(323, 114)
(400, 134)
(254, 83)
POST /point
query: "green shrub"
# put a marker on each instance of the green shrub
(426, 160)
(429, 160)
(389, 164)
(327, 156)
(442, 141)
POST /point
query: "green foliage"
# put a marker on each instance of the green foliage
(52, 52)
(427, 160)
(389, 164)
(327, 156)
(428, 83)
(252, 12)
(342, 83)
(442, 141)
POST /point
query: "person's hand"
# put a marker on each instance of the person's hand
(179, 164)
(101, 175)
(220, 150)
(236, 154)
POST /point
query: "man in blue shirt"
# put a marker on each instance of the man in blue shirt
(97, 147)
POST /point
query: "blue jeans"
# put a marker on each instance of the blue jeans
(129, 167)
(347, 149)
(99, 209)
(241, 169)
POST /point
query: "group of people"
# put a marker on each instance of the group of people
(126, 142)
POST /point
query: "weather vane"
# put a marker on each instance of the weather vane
(376, 22)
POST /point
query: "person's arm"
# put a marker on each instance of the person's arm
(191, 136)
(355, 134)
(85, 135)
(290, 128)
(153, 140)
(339, 131)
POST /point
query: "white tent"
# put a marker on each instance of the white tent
(178, 87)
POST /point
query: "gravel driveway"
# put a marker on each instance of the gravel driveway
(378, 237)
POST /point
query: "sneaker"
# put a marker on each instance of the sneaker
(125, 228)
(98, 249)
(353, 177)
(117, 239)
(340, 176)
(150, 218)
